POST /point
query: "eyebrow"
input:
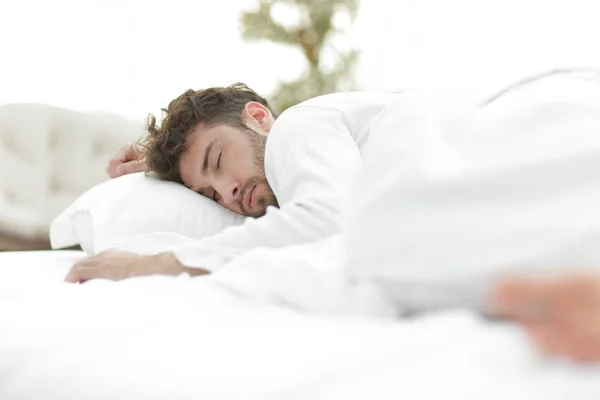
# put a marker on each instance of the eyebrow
(207, 152)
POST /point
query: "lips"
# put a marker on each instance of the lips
(249, 197)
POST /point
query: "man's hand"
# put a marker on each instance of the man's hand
(116, 265)
(127, 161)
(560, 314)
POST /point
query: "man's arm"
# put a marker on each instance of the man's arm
(116, 265)
(311, 163)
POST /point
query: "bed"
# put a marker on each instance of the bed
(194, 338)
(293, 323)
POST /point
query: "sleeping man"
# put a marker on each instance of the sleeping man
(293, 173)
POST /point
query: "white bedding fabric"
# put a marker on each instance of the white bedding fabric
(137, 204)
(286, 324)
(183, 338)
(454, 195)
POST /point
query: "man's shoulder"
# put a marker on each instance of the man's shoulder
(299, 121)
(329, 109)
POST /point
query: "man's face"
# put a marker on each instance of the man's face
(226, 164)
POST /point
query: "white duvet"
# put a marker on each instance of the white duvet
(455, 194)
(199, 338)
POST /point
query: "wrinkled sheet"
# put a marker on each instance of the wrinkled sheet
(210, 338)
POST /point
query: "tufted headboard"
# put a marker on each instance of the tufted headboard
(48, 157)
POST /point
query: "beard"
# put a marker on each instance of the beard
(259, 180)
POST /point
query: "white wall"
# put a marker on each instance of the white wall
(444, 40)
(133, 56)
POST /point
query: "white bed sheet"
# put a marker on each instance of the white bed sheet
(35, 267)
(188, 338)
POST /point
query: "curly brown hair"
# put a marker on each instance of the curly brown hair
(165, 143)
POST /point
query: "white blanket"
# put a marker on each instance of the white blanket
(191, 338)
(454, 195)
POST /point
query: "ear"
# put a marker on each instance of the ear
(257, 114)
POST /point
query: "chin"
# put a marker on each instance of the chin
(257, 211)
(263, 198)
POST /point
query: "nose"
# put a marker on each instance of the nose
(229, 191)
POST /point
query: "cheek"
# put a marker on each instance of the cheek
(235, 207)
(242, 163)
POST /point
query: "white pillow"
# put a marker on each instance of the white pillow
(137, 204)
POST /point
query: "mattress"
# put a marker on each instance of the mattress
(191, 338)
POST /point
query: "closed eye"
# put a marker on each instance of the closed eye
(216, 196)
(219, 160)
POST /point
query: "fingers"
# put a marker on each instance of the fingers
(560, 314)
(117, 160)
(131, 167)
(523, 298)
(73, 276)
(546, 339)
(80, 274)
(118, 165)
(111, 169)
(561, 341)
(125, 153)
(82, 270)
